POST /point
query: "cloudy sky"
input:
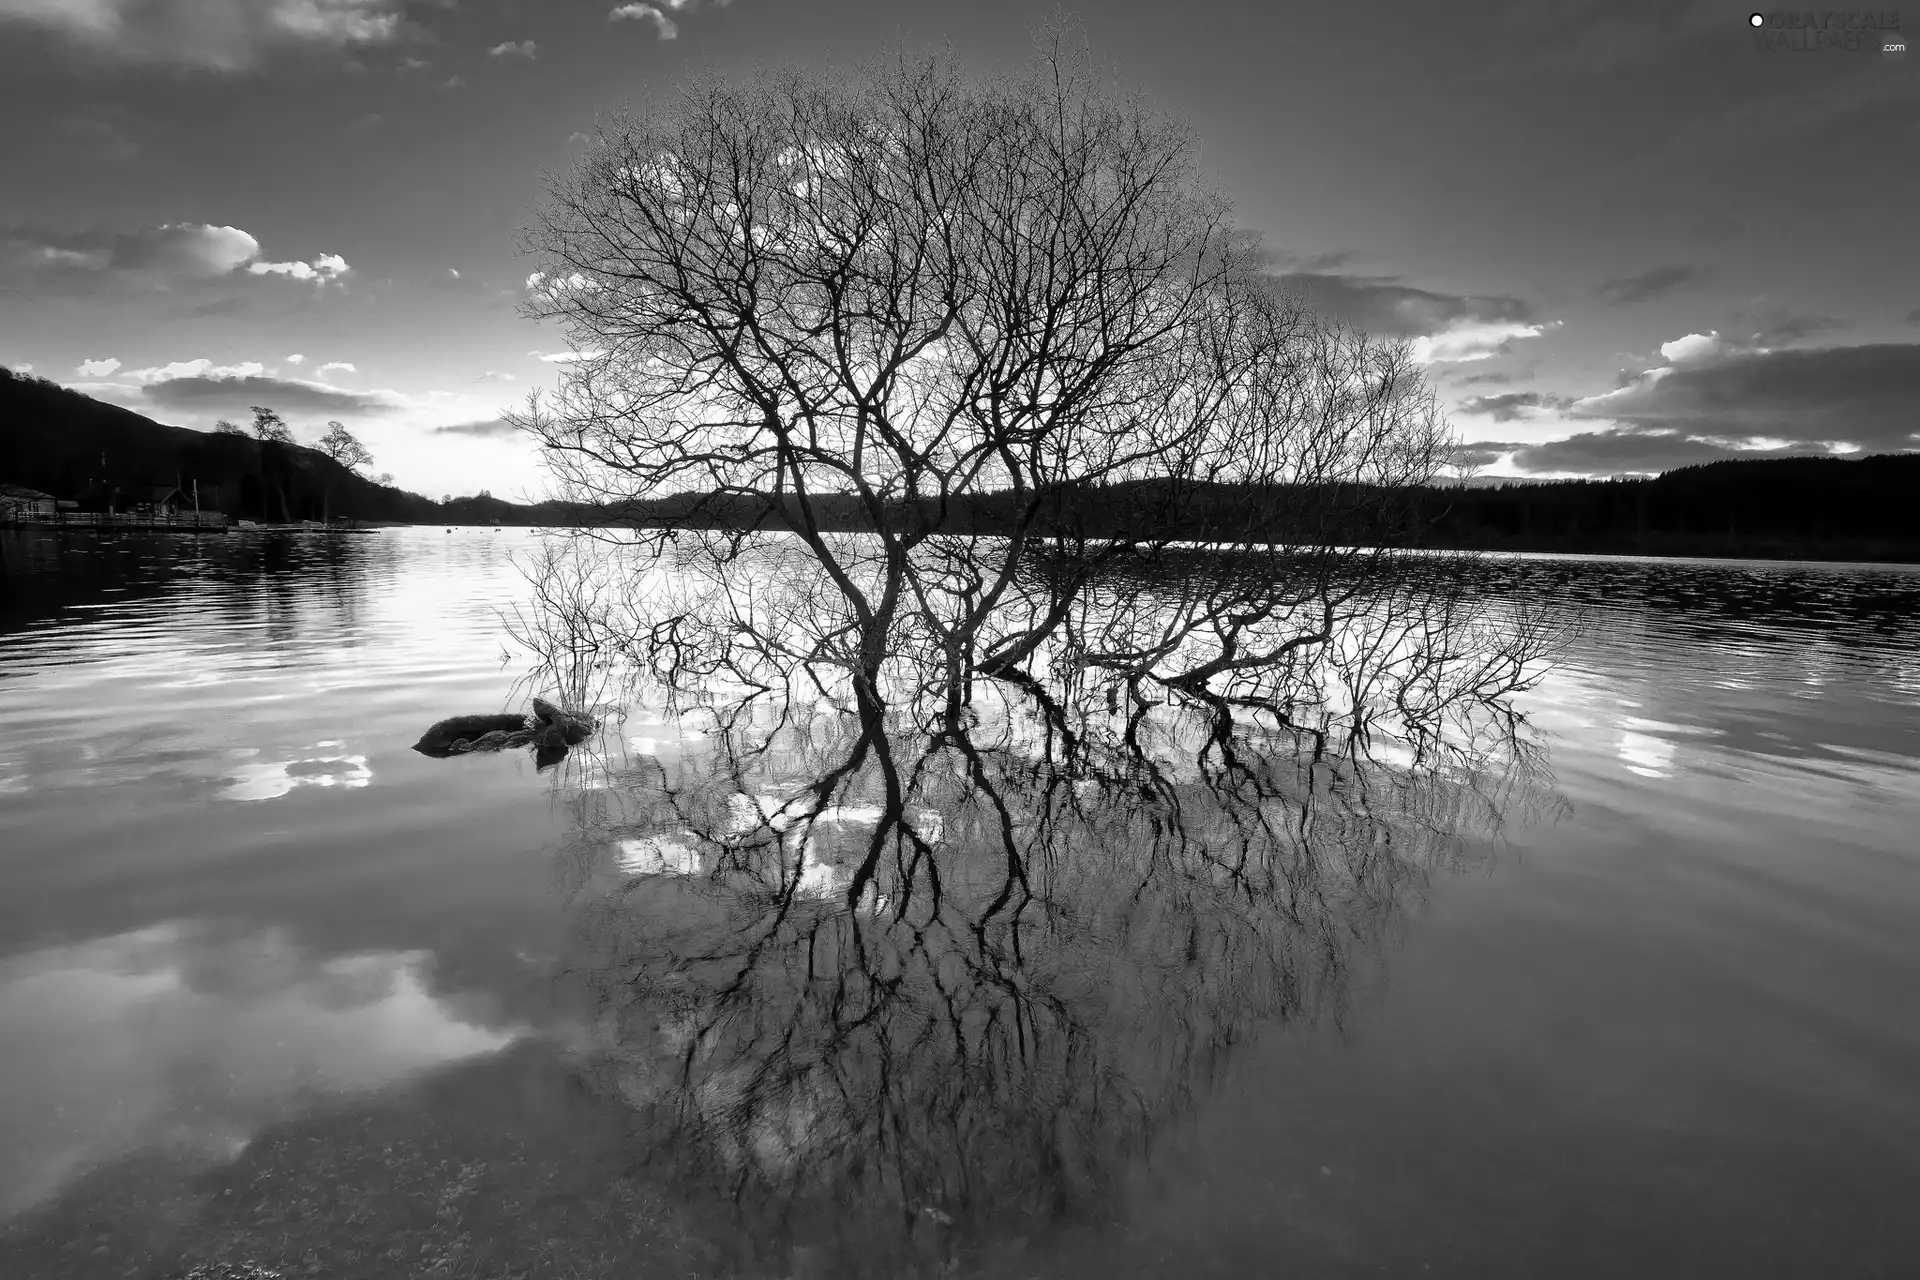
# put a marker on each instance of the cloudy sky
(1622, 236)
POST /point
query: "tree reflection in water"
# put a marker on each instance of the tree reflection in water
(904, 969)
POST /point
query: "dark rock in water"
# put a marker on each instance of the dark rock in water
(571, 728)
(493, 740)
(439, 740)
(549, 731)
(554, 731)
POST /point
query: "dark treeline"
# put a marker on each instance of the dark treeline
(74, 447)
(1783, 508)
(105, 457)
(1813, 508)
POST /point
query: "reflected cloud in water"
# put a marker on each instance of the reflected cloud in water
(1647, 755)
(179, 1036)
(269, 780)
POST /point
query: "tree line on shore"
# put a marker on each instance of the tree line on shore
(100, 455)
(74, 447)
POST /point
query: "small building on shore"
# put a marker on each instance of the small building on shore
(17, 502)
(158, 500)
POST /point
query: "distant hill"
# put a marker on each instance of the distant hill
(72, 446)
(75, 447)
(1864, 508)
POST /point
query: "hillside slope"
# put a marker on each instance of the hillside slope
(73, 446)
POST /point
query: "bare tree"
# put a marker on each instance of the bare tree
(910, 297)
(271, 430)
(344, 448)
(228, 427)
(931, 379)
(269, 426)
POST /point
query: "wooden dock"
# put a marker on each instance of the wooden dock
(183, 522)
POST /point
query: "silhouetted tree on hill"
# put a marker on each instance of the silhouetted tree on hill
(344, 448)
(268, 425)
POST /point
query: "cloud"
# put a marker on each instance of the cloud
(1654, 282)
(96, 368)
(296, 359)
(494, 375)
(323, 270)
(486, 429)
(1630, 451)
(1384, 305)
(663, 26)
(1913, 316)
(331, 365)
(510, 49)
(165, 251)
(201, 368)
(1474, 340)
(216, 35)
(1481, 453)
(565, 357)
(1713, 389)
(1483, 379)
(161, 256)
(551, 286)
(1694, 346)
(1445, 327)
(202, 384)
(220, 391)
(1513, 404)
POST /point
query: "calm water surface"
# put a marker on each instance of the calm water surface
(274, 987)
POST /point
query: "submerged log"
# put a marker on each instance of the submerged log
(571, 727)
(549, 730)
(439, 740)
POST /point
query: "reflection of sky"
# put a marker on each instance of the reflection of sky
(1646, 755)
(326, 766)
(170, 1036)
(1758, 720)
(1743, 752)
(657, 855)
(823, 869)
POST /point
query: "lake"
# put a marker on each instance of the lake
(276, 988)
